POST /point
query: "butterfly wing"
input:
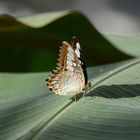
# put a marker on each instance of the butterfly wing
(70, 76)
(76, 46)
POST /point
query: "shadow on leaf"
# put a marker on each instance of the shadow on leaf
(116, 91)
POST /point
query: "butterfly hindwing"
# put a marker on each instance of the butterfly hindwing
(69, 77)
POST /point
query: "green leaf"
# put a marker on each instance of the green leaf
(28, 110)
(129, 45)
(30, 44)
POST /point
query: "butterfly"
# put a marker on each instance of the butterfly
(70, 75)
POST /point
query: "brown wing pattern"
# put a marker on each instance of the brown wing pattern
(68, 77)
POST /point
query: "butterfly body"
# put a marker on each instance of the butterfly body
(70, 76)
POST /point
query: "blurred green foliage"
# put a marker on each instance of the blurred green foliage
(26, 48)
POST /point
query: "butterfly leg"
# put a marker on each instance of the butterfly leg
(85, 90)
(84, 93)
(73, 98)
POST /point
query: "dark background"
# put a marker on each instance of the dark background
(111, 16)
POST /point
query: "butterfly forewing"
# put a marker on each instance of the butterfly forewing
(69, 77)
